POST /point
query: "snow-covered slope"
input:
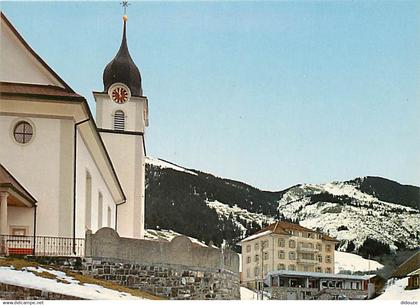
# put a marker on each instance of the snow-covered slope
(66, 285)
(341, 210)
(165, 164)
(241, 216)
(370, 215)
(395, 290)
(352, 262)
(168, 235)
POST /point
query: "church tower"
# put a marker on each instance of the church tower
(122, 117)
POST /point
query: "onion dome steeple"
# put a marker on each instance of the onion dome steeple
(122, 69)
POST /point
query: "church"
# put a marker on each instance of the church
(62, 171)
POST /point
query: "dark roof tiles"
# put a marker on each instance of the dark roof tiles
(284, 227)
(122, 69)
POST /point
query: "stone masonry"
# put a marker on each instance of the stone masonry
(176, 270)
(13, 292)
(172, 282)
(281, 293)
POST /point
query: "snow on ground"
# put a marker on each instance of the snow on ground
(27, 278)
(385, 222)
(354, 262)
(165, 164)
(395, 290)
(247, 294)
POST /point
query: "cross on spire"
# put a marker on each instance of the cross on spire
(125, 4)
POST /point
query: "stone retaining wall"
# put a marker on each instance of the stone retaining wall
(172, 282)
(177, 269)
(13, 292)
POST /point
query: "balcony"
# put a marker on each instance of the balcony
(301, 249)
(306, 261)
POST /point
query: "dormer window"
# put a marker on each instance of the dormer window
(119, 120)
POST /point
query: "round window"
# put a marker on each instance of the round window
(23, 132)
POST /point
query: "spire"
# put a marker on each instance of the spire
(122, 68)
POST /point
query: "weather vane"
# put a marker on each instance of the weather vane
(125, 4)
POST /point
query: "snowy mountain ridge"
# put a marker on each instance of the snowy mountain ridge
(344, 212)
(241, 215)
(368, 215)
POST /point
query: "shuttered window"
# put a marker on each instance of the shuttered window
(119, 120)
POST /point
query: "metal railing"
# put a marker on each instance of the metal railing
(41, 245)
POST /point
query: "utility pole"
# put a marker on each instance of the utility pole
(262, 270)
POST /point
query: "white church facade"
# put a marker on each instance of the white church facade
(62, 172)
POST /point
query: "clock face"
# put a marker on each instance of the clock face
(119, 95)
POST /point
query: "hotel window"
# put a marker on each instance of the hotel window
(23, 132)
(281, 242)
(256, 246)
(319, 247)
(307, 256)
(306, 245)
(256, 271)
(318, 269)
(264, 244)
(280, 267)
(248, 248)
(248, 259)
(328, 270)
(257, 258)
(265, 255)
(328, 248)
(119, 120)
(319, 258)
(281, 254)
(292, 267)
(328, 259)
(292, 255)
(292, 244)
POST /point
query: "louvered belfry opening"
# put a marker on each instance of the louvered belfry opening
(119, 120)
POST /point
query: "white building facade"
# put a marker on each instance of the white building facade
(81, 176)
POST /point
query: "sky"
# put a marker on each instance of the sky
(271, 93)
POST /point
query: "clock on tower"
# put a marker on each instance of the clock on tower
(122, 118)
(119, 93)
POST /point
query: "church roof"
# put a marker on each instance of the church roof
(122, 69)
(35, 55)
(35, 90)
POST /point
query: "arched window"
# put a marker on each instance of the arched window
(119, 120)
(292, 255)
(100, 210)
(109, 217)
(88, 201)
